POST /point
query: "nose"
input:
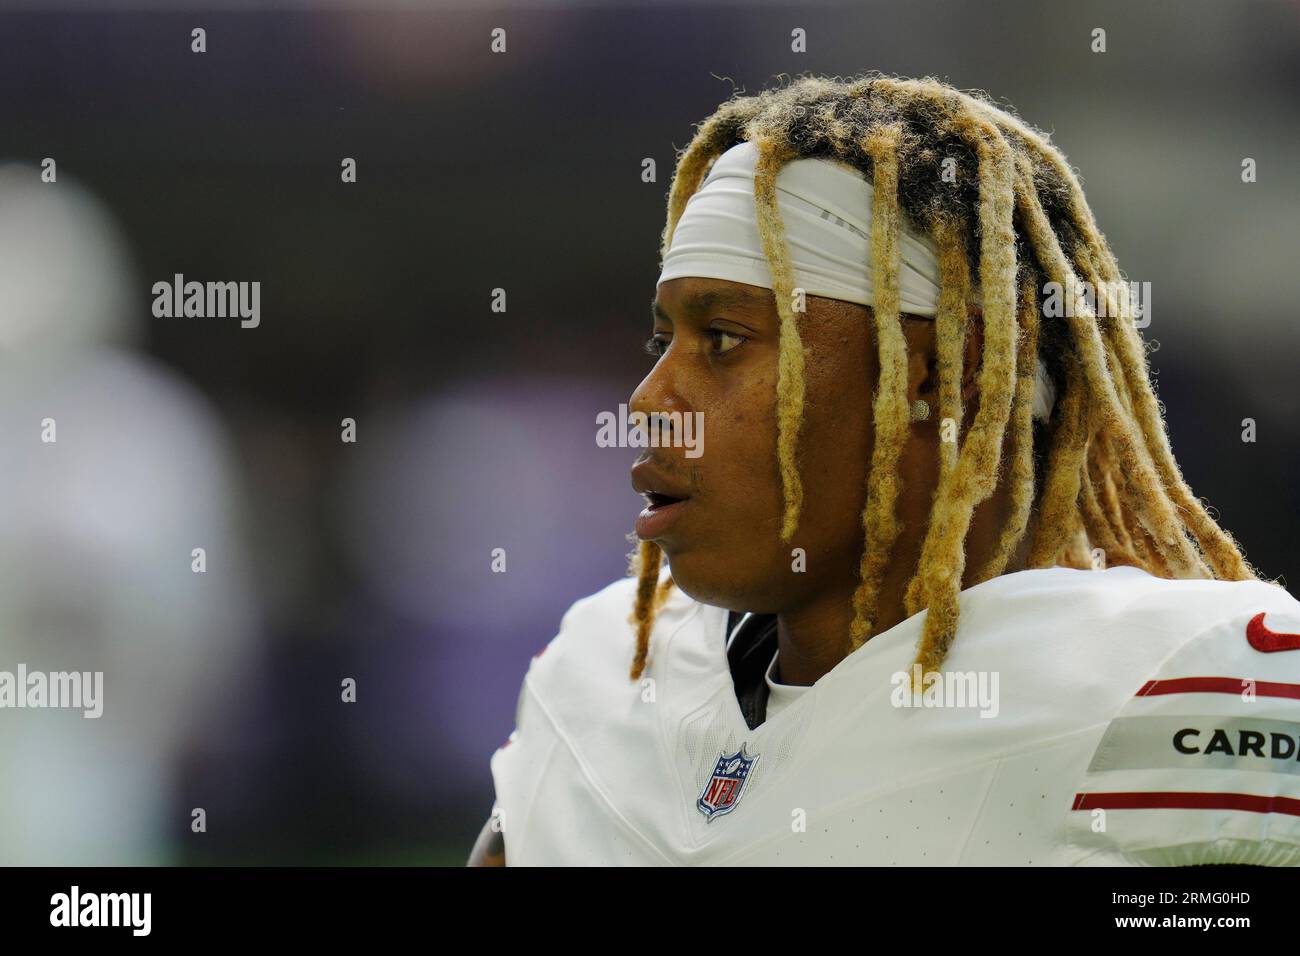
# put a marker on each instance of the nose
(661, 391)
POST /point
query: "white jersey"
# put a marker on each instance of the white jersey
(1088, 717)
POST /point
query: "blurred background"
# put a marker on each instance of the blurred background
(474, 429)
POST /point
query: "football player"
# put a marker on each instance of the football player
(936, 591)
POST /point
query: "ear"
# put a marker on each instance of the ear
(923, 357)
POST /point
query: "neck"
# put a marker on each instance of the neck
(813, 638)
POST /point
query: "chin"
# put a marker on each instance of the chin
(711, 582)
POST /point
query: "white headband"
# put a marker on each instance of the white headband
(826, 209)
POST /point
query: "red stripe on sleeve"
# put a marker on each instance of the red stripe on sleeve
(1176, 800)
(1218, 685)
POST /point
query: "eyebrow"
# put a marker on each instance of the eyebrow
(707, 301)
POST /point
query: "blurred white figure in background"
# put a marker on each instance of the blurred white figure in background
(97, 530)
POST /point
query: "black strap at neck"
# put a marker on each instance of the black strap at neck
(748, 655)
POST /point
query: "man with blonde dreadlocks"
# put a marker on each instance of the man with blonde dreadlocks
(936, 592)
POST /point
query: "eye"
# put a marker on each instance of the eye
(724, 341)
(657, 344)
(721, 340)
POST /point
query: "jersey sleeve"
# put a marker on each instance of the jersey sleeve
(1202, 764)
(519, 764)
(559, 690)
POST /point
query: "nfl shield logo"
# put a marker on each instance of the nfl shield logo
(727, 785)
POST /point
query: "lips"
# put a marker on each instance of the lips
(666, 499)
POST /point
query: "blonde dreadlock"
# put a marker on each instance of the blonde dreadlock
(1016, 216)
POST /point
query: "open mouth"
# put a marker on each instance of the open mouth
(663, 510)
(655, 500)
